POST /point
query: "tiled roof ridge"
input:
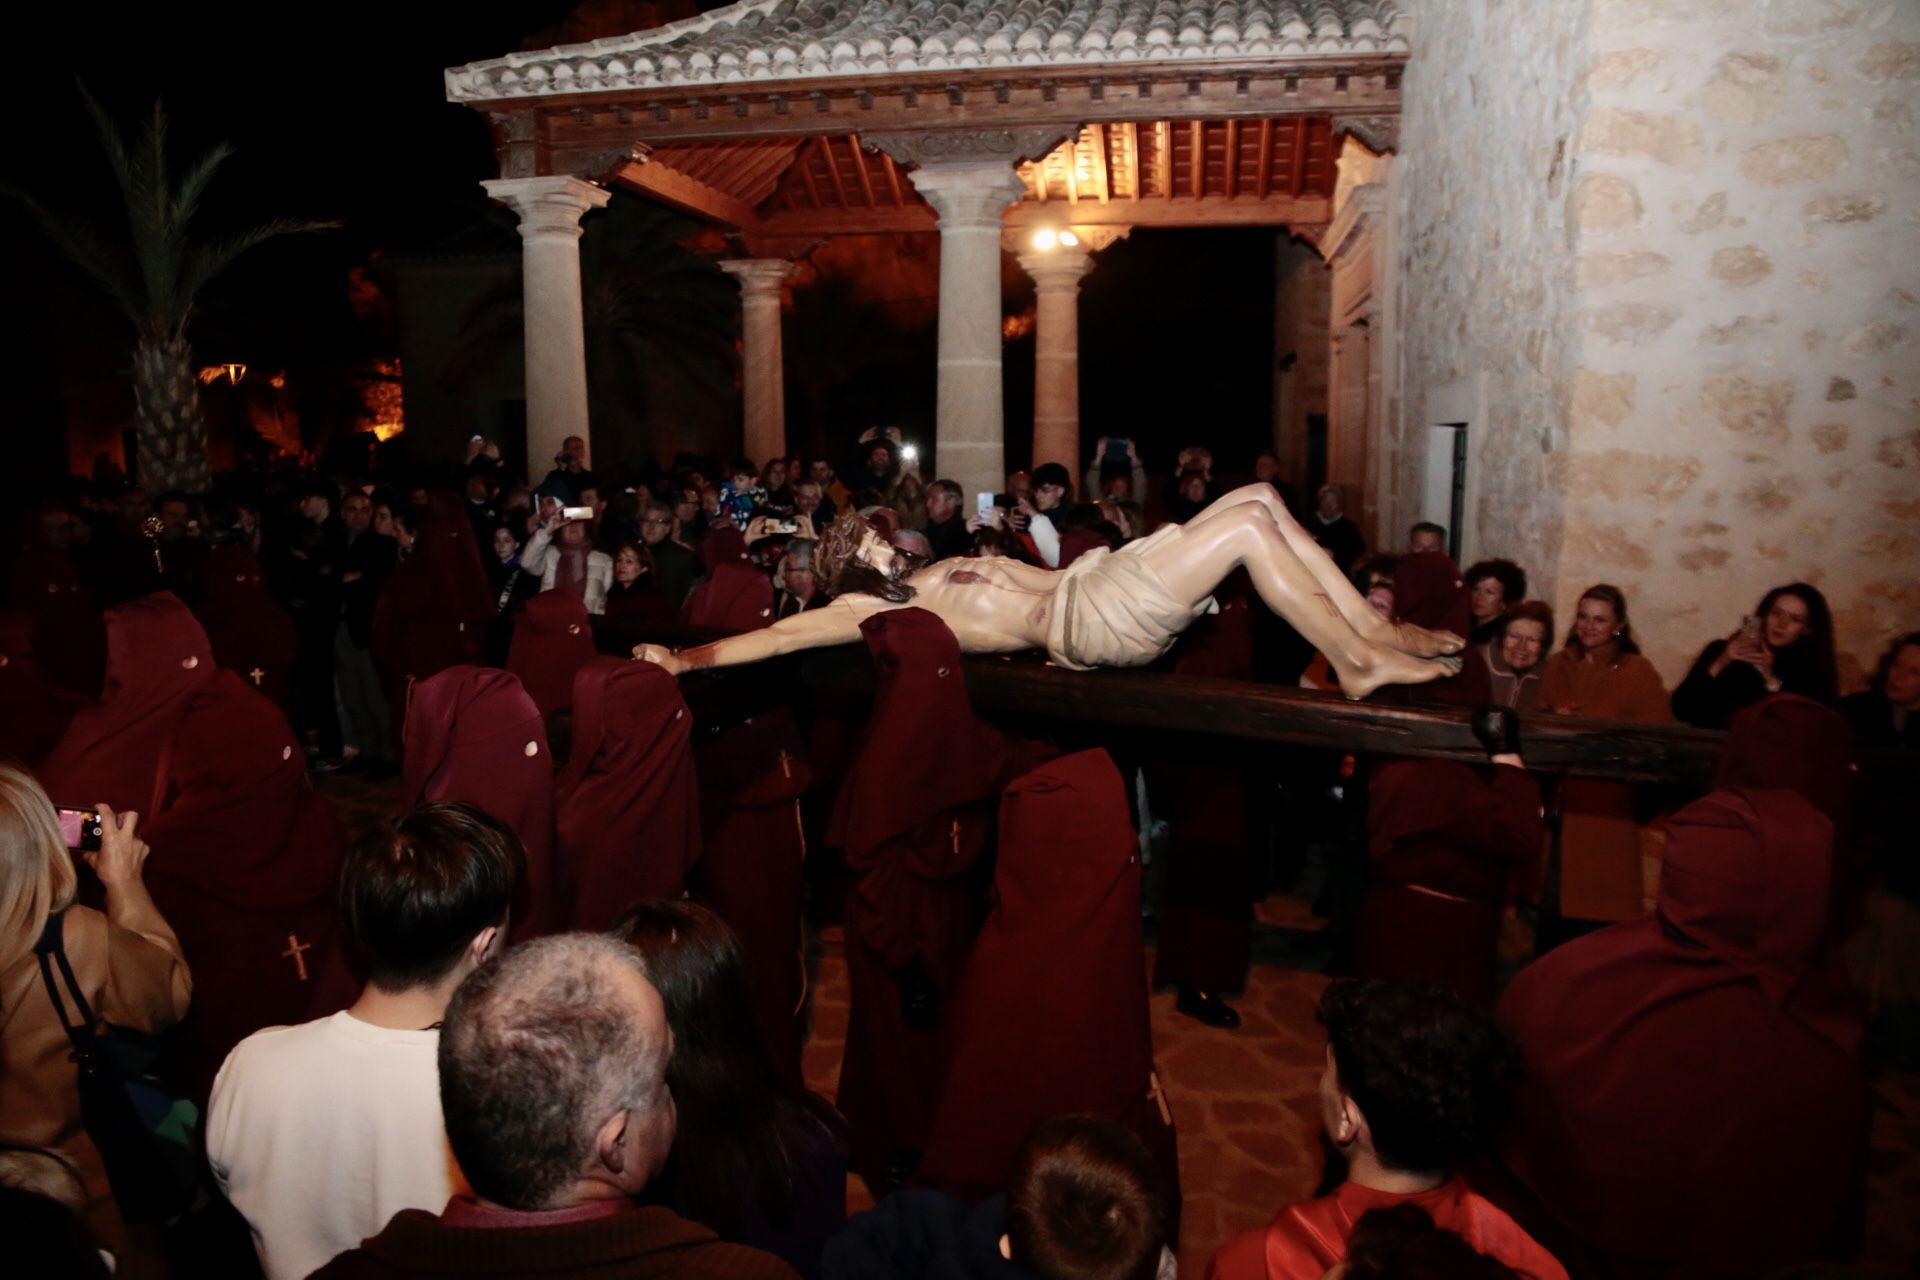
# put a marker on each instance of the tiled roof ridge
(775, 40)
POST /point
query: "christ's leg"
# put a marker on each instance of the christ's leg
(1362, 616)
(1247, 536)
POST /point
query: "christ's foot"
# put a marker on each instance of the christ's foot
(1420, 642)
(1384, 666)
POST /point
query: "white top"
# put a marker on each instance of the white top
(320, 1133)
(539, 557)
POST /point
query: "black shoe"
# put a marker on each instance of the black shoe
(326, 764)
(1208, 1008)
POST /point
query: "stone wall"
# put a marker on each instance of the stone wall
(1486, 297)
(1688, 270)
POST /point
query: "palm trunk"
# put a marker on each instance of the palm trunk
(171, 432)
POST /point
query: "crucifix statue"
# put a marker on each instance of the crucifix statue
(1119, 608)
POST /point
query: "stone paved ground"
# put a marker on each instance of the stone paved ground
(1245, 1101)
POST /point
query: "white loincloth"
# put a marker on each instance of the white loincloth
(1113, 610)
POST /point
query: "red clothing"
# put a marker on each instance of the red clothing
(626, 807)
(1428, 592)
(1304, 1240)
(1694, 1099)
(67, 634)
(473, 735)
(248, 629)
(916, 813)
(34, 711)
(434, 610)
(244, 853)
(736, 595)
(1443, 842)
(552, 640)
(752, 776)
(1051, 1013)
(624, 1244)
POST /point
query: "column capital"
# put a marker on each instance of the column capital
(758, 277)
(1059, 269)
(549, 205)
(969, 195)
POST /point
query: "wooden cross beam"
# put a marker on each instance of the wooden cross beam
(1161, 703)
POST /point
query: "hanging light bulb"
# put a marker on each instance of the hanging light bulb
(1069, 239)
(1045, 239)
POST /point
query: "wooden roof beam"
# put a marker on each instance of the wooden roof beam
(1130, 146)
(1230, 161)
(892, 171)
(860, 168)
(1101, 179)
(1163, 155)
(1297, 179)
(1070, 155)
(1263, 173)
(1197, 172)
(833, 172)
(668, 186)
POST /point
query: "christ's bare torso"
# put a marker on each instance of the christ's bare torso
(992, 604)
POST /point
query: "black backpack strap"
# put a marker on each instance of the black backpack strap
(51, 949)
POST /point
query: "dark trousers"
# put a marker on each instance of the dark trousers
(1206, 912)
(313, 683)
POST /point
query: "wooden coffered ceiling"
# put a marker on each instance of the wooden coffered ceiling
(1267, 171)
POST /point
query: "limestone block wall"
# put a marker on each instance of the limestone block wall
(1689, 271)
(1486, 299)
(1744, 412)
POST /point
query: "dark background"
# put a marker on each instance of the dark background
(338, 111)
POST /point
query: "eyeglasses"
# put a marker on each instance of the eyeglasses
(656, 520)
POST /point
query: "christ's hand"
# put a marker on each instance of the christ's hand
(660, 656)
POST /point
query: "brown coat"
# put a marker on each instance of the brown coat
(131, 980)
(637, 1245)
(1600, 871)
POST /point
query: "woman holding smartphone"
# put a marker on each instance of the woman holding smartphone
(126, 961)
(1784, 646)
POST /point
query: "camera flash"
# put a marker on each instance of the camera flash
(909, 452)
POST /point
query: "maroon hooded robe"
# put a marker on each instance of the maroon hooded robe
(34, 711)
(244, 853)
(736, 595)
(248, 629)
(1694, 1089)
(473, 735)
(1790, 743)
(1429, 592)
(752, 775)
(1443, 841)
(1051, 1014)
(434, 610)
(68, 638)
(627, 806)
(552, 640)
(1201, 789)
(916, 813)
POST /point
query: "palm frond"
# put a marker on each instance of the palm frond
(193, 184)
(208, 258)
(88, 252)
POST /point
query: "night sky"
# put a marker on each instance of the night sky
(338, 112)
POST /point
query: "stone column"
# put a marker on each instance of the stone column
(762, 369)
(556, 343)
(970, 428)
(1056, 276)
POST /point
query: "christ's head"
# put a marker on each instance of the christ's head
(854, 559)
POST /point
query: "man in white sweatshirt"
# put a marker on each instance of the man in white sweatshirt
(320, 1133)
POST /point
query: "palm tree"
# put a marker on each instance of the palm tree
(154, 271)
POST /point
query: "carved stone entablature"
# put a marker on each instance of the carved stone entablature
(971, 146)
(1380, 133)
(600, 166)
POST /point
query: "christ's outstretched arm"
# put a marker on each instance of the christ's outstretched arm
(837, 622)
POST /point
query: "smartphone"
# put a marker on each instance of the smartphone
(576, 513)
(1750, 627)
(80, 828)
(983, 505)
(1117, 449)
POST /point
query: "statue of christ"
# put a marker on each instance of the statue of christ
(1119, 608)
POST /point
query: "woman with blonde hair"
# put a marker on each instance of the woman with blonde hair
(125, 961)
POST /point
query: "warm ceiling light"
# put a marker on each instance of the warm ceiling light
(1045, 239)
(1069, 239)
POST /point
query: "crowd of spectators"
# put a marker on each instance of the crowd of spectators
(491, 1093)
